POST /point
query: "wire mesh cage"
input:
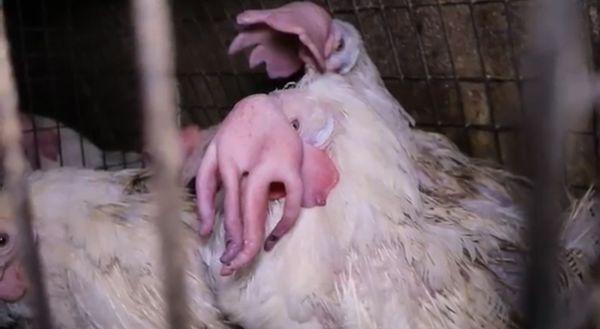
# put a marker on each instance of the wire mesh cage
(456, 66)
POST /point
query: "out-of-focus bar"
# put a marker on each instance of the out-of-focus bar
(155, 56)
(16, 187)
(557, 96)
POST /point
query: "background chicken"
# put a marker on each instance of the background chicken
(75, 150)
(50, 146)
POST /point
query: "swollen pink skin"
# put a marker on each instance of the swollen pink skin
(319, 177)
(307, 21)
(245, 148)
(255, 147)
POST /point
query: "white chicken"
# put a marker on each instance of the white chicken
(367, 259)
(99, 248)
(50, 145)
(371, 258)
(75, 150)
(337, 47)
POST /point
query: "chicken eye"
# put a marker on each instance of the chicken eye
(341, 45)
(4, 239)
(296, 124)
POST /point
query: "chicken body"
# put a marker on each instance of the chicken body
(99, 250)
(373, 257)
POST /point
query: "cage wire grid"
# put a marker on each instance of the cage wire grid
(454, 65)
(60, 73)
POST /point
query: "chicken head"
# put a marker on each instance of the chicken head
(256, 148)
(297, 33)
(13, 284)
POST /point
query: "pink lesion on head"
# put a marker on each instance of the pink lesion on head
(269, 146)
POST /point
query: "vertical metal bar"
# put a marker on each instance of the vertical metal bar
(124, 159)
(18, 193)
(224, 46)
(425, 64)
(203, 110)
(45, 28)
(454, 75)
(388, 35)
(155, 55)
(28, 82)
(560, 93)
(212, 96)
(511, 49)
(104, 163)
(71, 42)
(589, 26)
(486, 83)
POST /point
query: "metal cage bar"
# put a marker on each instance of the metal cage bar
(71, 51)
(486, 82)
(53, 86)
(455, 79)
(27, 79)
(562, 92)
(390, 39)
(425, 63)
(155, 54)
(222, 44)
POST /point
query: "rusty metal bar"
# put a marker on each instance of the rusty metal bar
(456, 82)
(18, 193)
(75, 94)
(559, 93)
(486, 82)
(224, 45)
(26, 69)
(155, 55)
(424, 62)
(57, 126)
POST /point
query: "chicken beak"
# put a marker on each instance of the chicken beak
(13, 283)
